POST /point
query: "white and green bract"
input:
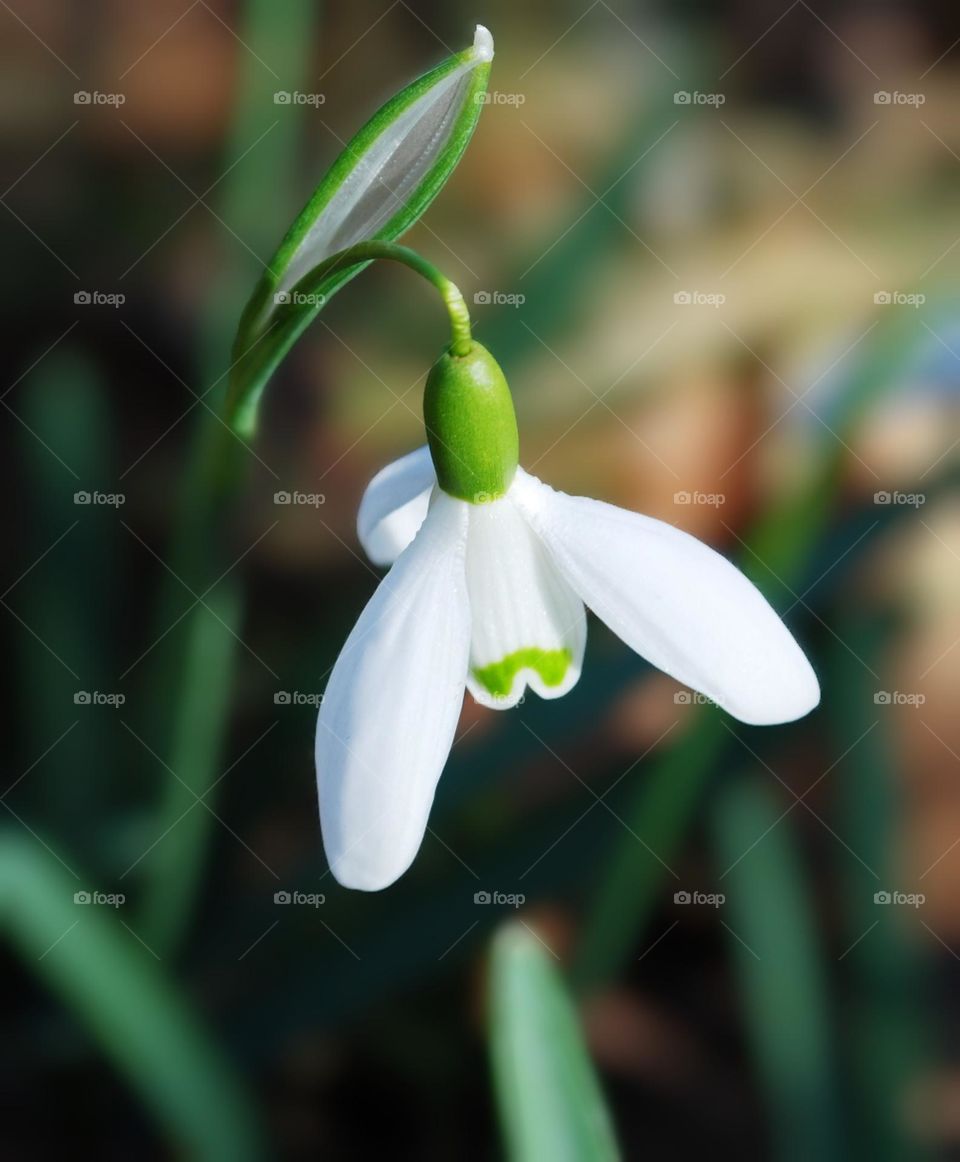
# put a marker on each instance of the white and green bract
(492, 597)
(381, 183)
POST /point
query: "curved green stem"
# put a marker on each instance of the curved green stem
(460, 337)
(243, 403)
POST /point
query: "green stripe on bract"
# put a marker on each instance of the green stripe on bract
(498, 677)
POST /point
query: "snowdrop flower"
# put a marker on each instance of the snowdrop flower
(490, 573)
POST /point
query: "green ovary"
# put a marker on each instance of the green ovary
(498, 677)
(471, 425)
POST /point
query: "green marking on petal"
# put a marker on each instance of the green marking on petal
(498, 677)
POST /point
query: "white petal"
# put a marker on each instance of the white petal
(679, 604)
(391, 707)
(394, 506)
(529, 627)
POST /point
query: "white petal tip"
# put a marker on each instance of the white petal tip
(483, 44)
(482, 696)
(524, 679)
(795, 699)
(365, 879)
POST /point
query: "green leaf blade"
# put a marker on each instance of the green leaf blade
(551, 1105)
(102, 971)
(781, 970)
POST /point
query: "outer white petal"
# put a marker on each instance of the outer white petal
(529, 627)
(391, 706)
(676, 602)
(394, 506)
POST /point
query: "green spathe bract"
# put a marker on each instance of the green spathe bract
(498, 677)
(471, 425)
(376, 189)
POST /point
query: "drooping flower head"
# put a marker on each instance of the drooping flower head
(490, 571)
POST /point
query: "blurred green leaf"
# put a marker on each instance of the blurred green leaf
(198, 649)
(779, 965)
(551, 1105)
(660, 812)
(887, 1018)
(68, 595)
(176, 861)
(111, 981)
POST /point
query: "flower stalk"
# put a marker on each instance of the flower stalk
(460, 337)
(243, 400)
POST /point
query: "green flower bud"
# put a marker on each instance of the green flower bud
(471, 425)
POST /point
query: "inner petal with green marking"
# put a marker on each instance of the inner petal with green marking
(551, 665)
(529, 627)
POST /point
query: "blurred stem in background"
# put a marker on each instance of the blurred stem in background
(667, 796)
(780, 969)
(66, 409)
(885, 1024)
(199, 664)
(550, 1101)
